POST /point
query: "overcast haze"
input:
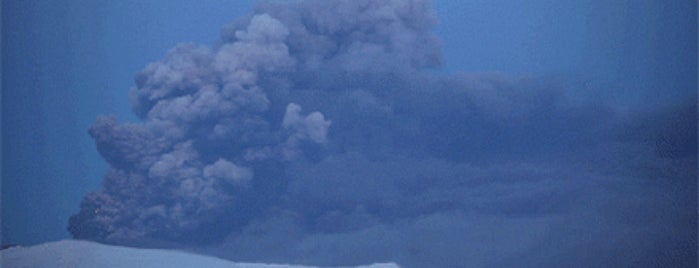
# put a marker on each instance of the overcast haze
(487, 133)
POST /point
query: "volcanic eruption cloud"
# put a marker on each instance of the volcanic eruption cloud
(318, 132)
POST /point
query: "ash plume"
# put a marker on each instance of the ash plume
(316, 132)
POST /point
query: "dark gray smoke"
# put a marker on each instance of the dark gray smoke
(315, 132)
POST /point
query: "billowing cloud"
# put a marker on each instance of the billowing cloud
(315, 132)
(314, 126)
(228, 172)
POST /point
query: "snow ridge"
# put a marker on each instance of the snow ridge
(79, 254)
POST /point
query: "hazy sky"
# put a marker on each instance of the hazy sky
(67, 62)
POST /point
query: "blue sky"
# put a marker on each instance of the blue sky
(66, 63)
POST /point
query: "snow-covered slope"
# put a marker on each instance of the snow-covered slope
(79, 254)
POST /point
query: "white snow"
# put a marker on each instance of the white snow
(83, 254)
